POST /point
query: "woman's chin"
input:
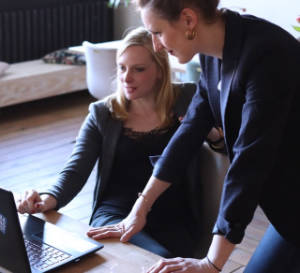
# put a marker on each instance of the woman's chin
(183, 59)
(130, 97)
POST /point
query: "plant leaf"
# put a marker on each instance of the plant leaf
(111, 3)
(115, 3)
(296, 28)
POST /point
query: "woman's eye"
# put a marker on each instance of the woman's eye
(140, 69)
(121, 68)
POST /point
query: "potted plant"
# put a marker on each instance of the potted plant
(116, 3)
(297, 28)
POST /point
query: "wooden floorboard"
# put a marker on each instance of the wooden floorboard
(37, 138)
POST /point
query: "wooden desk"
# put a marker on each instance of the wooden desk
(115, 257)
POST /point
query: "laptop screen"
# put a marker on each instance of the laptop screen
(39, 235)
(13, 255)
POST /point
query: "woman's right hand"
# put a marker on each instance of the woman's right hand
(32, 202)
(124, 230)
(132, 224)
(136, 219)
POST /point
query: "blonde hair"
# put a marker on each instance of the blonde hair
(166, 95)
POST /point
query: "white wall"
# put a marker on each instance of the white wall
(281, 12)
(124, 19)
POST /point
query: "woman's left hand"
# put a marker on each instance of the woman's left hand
(182, 265)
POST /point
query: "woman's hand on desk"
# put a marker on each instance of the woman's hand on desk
(32, 202)
(124, 230)
(136, 219)
(182, 265)
(132, 224)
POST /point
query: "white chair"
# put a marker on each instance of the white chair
(100, 69)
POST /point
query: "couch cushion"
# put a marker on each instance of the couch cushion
(3, 67)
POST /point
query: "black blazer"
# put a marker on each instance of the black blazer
(97, 141)
(258, 106)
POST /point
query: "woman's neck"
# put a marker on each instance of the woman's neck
(142, 116)
(142, 107)
(211, 39)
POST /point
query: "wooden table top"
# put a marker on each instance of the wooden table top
(115, 257)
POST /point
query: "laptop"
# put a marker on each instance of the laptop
(31, 245)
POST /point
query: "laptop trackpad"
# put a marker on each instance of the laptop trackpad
(63, 240)
(57, 237)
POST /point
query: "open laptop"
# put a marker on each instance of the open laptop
(31, 245)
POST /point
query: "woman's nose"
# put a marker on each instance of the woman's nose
(156, 44)
(127, 76)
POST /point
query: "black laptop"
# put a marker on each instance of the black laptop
(31, 245)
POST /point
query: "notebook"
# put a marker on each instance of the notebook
(31, 245)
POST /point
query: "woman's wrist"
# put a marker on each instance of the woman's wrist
(145, 199)
(211, 264)
(141, 207)
(219, 251)
(215, 140)
(215, 135)
(49, 200)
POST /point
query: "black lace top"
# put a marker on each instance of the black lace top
(132, 167)
(131, 171)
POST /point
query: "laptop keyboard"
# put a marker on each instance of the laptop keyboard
(41, 256)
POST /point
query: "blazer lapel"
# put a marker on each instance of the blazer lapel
(231, 53)
(111, 133)
(111, 136)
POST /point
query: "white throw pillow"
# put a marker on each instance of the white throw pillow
(3, 67)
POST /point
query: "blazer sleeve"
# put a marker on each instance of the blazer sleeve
(187, 140)
(78, 168)
(265, 118)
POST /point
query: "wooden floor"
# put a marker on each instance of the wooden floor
(35, 141)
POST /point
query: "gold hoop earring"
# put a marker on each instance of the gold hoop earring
(190, 34)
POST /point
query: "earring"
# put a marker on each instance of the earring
(190, 34)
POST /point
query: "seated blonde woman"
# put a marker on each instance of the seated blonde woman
(122, 133)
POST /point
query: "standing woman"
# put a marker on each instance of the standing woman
(249, 86)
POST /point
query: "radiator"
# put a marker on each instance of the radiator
(30, 33)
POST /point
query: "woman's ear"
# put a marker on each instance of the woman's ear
(189, 17)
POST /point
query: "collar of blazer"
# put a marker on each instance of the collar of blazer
(231, 54)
